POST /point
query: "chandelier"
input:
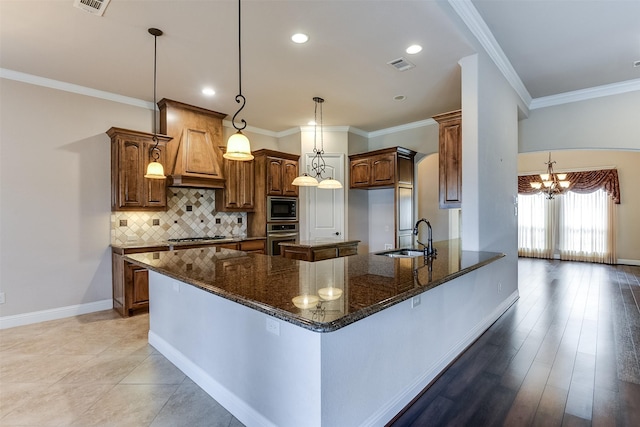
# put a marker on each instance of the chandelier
(552, 183)
(318, 164)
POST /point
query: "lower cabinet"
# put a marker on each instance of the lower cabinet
(131, 282)
(318, 253)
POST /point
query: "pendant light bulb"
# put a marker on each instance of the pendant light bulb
(155, 171)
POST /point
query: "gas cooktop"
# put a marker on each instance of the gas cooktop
(196, 239)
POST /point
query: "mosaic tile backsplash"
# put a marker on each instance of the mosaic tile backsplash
(190, 213)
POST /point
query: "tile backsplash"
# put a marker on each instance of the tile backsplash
(190, 213)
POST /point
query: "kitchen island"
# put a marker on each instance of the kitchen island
(319, 249)
(345, 341)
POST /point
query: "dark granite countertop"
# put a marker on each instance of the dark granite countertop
(361, 284)
(166, 244)
(320, 243)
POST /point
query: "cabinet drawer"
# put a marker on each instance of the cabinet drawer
(252, 246)
(347, 250)
(327, 253)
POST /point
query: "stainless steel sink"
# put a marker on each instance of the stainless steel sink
(402, 253)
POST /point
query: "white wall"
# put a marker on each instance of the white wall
(489, 158)
(55, 182)
(609, 122)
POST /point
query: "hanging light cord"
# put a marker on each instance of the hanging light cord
(155, 32)
(240, 99)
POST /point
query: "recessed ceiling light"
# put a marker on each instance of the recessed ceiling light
(413, 49)
(208, 91)
(399, 98)
(299, 38)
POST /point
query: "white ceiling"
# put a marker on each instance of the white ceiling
(554, 47)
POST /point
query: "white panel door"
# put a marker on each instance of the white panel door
(325, 210)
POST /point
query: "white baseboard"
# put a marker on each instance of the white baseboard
(54, 313)
(628, 261)
(393, 407)
(243, 412)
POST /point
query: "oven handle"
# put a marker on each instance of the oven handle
(285, 235)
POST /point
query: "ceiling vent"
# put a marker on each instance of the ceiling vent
(95, 7)
(401, 64)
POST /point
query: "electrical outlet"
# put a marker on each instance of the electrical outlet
(2, 300)
(415, 301)
(273, 326)
(388, 246)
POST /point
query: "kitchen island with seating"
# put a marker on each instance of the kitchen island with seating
(345, 341)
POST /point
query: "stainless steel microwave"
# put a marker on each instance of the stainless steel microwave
(282, 208)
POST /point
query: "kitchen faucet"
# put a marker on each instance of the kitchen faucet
(429, 250)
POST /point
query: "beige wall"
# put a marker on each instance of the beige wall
(628, 165)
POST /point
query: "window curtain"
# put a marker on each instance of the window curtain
(587, 227)
(536, 225)
(580, 182)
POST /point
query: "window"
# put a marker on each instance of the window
(581, 224)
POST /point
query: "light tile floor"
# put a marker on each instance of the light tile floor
(97, 370)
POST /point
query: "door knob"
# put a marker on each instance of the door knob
(337, 233)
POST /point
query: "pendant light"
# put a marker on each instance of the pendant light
(318, 164)
(154, 168)
(238, 146)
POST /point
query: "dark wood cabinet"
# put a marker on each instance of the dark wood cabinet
(373, 170)
(274, 173)
(450, 159)
(318, 251)
(130, 155)
(238, 194)
(280, 174)
(389, 168)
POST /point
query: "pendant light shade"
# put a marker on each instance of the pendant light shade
(155, 171)
(238, 146)
(154, 168)
(318, 164)
(305, 180)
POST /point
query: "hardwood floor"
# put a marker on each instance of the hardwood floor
(565, 354)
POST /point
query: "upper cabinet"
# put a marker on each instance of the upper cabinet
(280, 174)
(450, 159)
(239, 191)
(389, 168)
(381, 168)
(130, 155)
(194, 159)
(275, 171)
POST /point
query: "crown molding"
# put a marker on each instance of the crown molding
(73, 88)
(407, 126)
(474, 22)
(586, 94)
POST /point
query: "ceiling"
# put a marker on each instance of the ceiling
(553, 46)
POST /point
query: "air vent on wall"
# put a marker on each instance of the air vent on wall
(95, 7)
(401, 64)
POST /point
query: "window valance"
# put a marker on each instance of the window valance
(581, 182)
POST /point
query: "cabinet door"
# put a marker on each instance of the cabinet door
(383, 169)
(289, 173)
(140, 289)
(239, 188)
(274, 176)
(131, 177)
(450, 164)
(199, 154)
(360, 172)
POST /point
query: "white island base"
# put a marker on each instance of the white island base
(269, 372)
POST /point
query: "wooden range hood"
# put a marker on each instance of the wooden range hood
(194, 157)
